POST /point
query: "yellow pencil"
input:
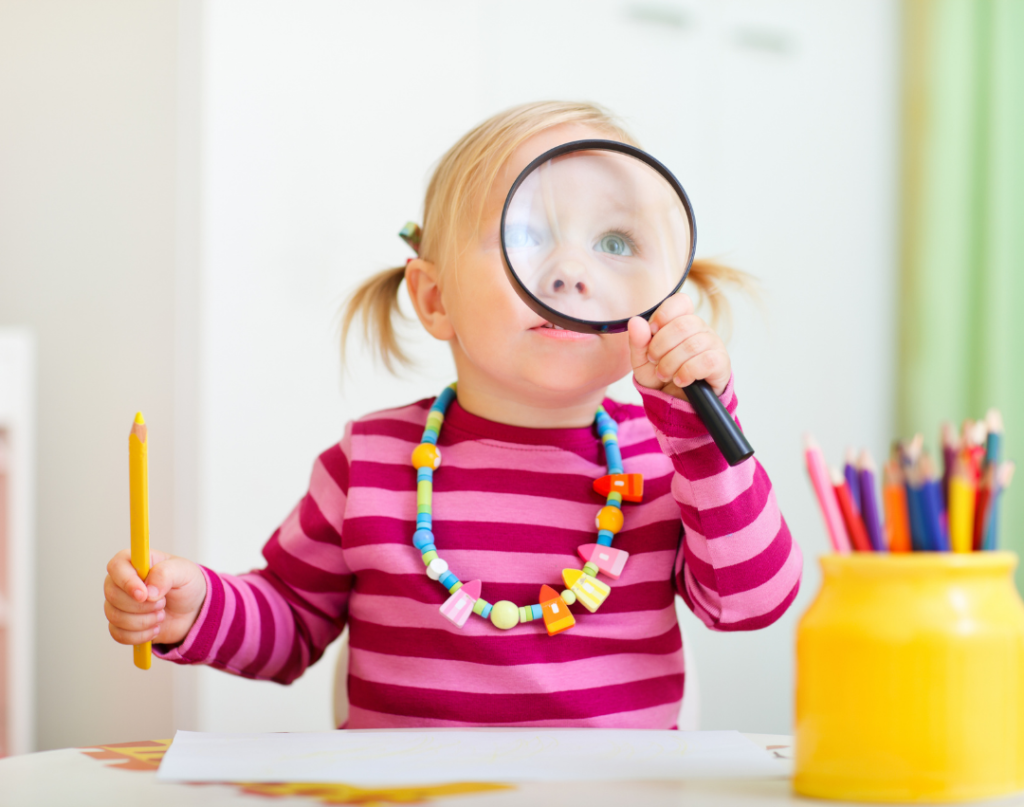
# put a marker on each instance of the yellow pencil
(962, 492)
(138, 483)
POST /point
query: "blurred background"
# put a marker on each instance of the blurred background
(189, 188)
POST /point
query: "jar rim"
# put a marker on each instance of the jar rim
(903, 563)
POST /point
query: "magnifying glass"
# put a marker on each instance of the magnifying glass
(595, 232)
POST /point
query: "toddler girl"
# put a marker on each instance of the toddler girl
(523, 441)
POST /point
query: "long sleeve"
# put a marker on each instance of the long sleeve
(738, 567)
(274, 622)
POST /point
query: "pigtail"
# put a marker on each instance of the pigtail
(376, 303)
(708, 277)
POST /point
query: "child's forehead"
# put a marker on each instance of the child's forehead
(527, 152)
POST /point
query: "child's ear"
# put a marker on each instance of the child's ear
(421, 279)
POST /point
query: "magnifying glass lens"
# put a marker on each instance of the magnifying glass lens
(597, 235)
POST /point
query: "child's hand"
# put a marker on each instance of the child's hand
(677, 348)
(162, 609)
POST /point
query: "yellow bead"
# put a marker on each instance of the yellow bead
(569, 597)
(505, 614)
(609, 518)
(426, 455)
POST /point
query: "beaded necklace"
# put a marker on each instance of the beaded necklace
(581, 585)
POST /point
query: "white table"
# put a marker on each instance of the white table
(125, 774)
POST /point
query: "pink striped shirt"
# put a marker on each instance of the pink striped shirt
(511, 505)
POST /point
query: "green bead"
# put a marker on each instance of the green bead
(590, 569)
(525, 614)
(569, 597)
(457, 585)
(429, 556)
(615, 497)
(478, 607)
(505, 615)
(424, 493)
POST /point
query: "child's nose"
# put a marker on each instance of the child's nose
(567, 279)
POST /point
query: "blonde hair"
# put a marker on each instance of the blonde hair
(462, 180)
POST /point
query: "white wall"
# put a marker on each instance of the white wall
(320, 122)
(87, 246)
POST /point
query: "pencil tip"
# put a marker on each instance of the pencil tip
(139, 419)
(994, 420)
(851, 455)
(866, 461)
(809, 441)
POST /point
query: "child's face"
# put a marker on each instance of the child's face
(498, 339)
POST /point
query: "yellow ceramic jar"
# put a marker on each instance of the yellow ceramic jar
(910, 679)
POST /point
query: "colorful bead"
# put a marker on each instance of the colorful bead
(569, 597)
(629, 486)
(609, 561)
(525, 613)
(460, 605)
(555, 610)
(609, 518)
(479, 606)
(589, 591)
(604, 537)
(447, 579)
(505, 615)
(424, 494)
(613, 457)
(591, 569)
(424, 521)
(536, 610)
(426, 455)
(436, 568)
(429, 557)
(429, 436)
(422, 538)
(455, 586)
(615, 499)
(424, 475)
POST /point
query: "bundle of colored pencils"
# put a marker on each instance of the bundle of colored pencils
(923, 511)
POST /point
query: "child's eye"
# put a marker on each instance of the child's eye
(615, 244)
(518, 236)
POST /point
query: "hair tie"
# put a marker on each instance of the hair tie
(412, 234)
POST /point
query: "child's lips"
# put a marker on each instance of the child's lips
(550, 331)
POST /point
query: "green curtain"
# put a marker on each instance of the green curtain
(962, 285)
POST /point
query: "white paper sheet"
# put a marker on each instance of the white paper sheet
(431, 756)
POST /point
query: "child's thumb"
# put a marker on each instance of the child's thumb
(168, 572)
(639, 338)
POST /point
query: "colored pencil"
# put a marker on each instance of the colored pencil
(950, 447)
(852, 480)
(818, 472)
(869, 501)
(1004, 476)
(138, 487)
(994, 438)
(931, 498)
(897, 518)
(854, 524)
(963, 493)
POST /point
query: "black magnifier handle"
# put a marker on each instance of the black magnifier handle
(719, 422)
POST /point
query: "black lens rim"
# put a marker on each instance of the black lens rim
(544, 310)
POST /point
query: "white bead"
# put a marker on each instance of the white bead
(436, 568)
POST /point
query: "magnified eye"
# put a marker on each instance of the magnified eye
(519, 236)
(615, 244)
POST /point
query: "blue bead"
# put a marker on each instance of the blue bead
(538, 612)
(444, 399)
(421, 538)
(614, 503)
(429, 436)
(448, 580)
(425, 475)
(487, 611)
(424, 521)
(605, 537)
(427, 548)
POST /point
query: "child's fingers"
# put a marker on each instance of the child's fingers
(132, 622)
(711, 366)
(133, 637)
(124, 601)
(172, 572)
(124, 575)
(674, 333)
(698, 343)
(678, 305)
